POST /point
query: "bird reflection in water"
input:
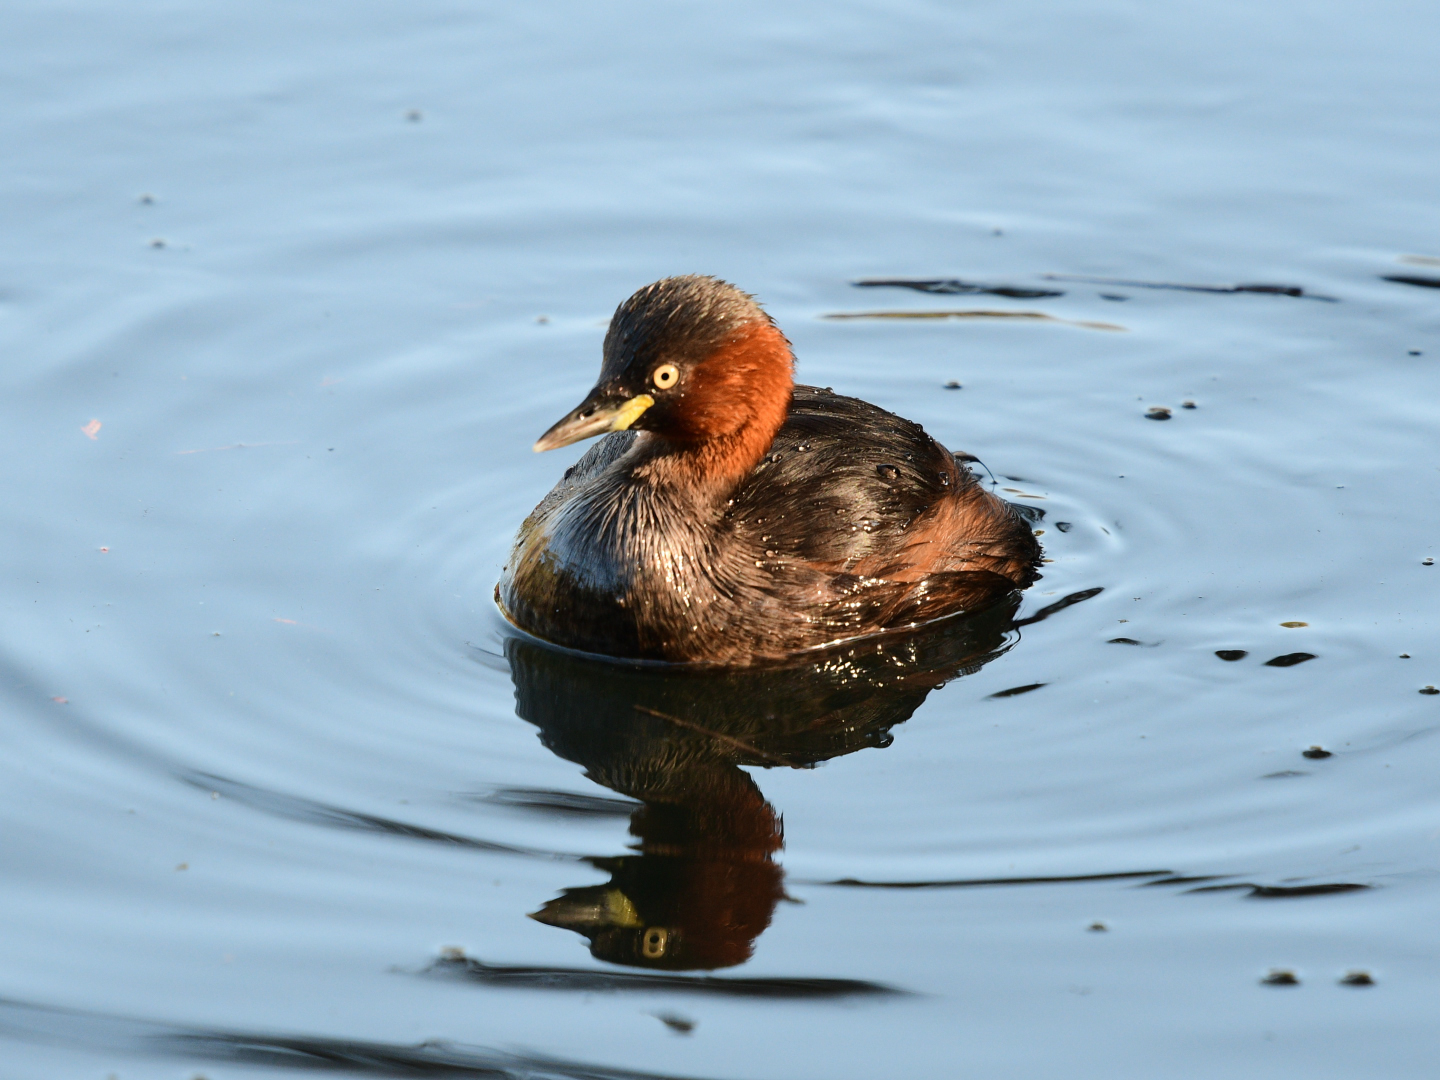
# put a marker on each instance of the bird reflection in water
(704, 882)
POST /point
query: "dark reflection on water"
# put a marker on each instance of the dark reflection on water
(299, 808)
(704, 882)
(530, 977)
(354, 1057)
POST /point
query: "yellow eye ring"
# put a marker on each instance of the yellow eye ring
(665, 376)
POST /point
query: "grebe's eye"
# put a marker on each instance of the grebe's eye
(652, 945)
(665, 376)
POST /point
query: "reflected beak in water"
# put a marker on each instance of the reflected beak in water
(589, 909)
(599, 413)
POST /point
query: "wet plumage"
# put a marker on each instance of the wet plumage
(738, 517)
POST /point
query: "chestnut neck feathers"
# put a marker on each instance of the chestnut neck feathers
(735, 377)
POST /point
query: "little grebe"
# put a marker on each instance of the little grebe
(732, 516)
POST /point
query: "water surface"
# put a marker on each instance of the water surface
(287, 292)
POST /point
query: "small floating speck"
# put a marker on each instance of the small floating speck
(1404, 656)
(1357, 978)
(1427, 562)
(157, 243)
(1157, 412)
(1097, 927)
(1316, 753)
(1429, 690)
(1064, 526)
(1416, 352)
(1292, 624)
(1016, 691)
(1280, 977)
(146, 199)
(1188, 405)
(675, 1022)
(414, 116)
(1290, 659)
(1123, 641)
(1231, 654)
(952, 385)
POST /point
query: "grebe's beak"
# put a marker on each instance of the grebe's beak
(587, 910)
(599, 413)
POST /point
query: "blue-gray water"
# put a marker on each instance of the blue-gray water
(315, 276)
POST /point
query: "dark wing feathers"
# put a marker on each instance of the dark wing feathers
(843, 480)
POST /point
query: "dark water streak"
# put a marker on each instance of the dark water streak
(111, 1033)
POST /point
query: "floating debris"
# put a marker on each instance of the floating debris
(1290, 659)
(1188, 405)
(1123, 641)
(970, 883)
(1064, 526)
(1429, 690)
(458, 965)
(92, 430)
(1016, 691)
(1316, 753)
(1413, 279)
(1280, 892)
(1231, 654)
(675, 1022)
(1293, 623)
(1280, 977)
(1427, 562)
(952, 385)
(1097, 927)
(1032, 316)
(1268, 290)
(956, 287)
(1060, 605)
(1157, 412)
(1357, 978)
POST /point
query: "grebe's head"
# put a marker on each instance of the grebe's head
(694, 360)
